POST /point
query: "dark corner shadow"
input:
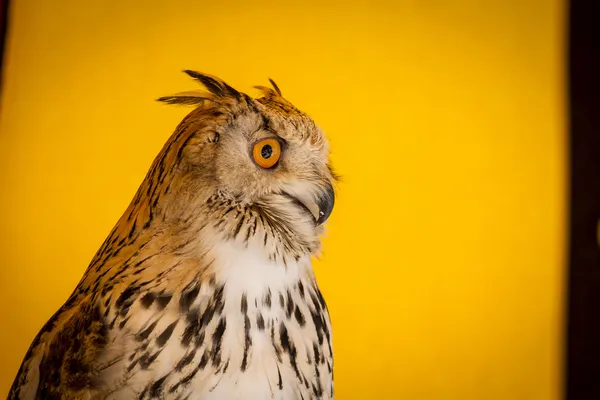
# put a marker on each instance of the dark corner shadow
(583, 310)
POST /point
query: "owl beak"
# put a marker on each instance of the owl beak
(325, 204)
(319, 206)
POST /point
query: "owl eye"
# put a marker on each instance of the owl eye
(266, 153)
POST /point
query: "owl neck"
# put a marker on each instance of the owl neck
(146, 244)
(251, 271)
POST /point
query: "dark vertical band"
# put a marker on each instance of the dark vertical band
(583, 344)
(3, 32)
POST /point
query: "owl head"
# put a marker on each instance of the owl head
(252, 169)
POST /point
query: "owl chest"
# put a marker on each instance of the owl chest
(238, 338)
(257, 352)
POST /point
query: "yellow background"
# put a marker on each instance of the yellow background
(443, 265)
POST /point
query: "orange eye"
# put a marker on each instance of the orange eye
(266, 153)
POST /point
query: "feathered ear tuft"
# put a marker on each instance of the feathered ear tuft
(270, 92)
(275, 86)
(214, 85)
(217, 88)
(186, 98)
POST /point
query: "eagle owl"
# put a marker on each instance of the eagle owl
(204, 288)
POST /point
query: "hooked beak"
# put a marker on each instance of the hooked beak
(320, 206)
(325, 204)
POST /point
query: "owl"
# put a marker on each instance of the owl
(204, 288)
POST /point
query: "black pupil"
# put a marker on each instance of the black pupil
(266, 151)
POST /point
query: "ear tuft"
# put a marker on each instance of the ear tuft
(214, 85)
(186, 98)
(275, 86)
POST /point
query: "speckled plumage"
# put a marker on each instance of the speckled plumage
(204, 288)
